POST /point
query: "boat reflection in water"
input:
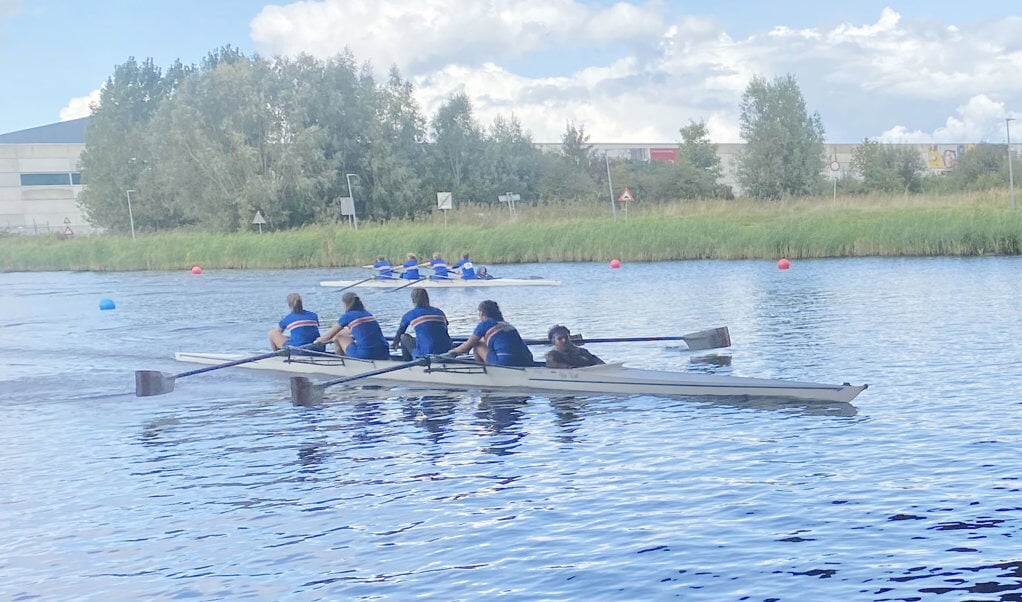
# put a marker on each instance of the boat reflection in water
(500, 416)
(434, 413)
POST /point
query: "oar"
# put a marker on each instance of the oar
(153, 382)
(416, 281)
(713, 338)
(344, 288)
(304, 392)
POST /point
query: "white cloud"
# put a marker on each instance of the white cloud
(652, 71)
(981, 119)
(80, 106)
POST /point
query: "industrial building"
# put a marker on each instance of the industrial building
(40, 180)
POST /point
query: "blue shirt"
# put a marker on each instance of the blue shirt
(383, 269)
(301, 328)
(369, 342)
(411, 269)
(439, 268)
(430, 326)
(506, 346)
(468, 271)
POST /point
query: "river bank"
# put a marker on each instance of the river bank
(954, 225)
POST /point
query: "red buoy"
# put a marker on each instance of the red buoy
(196, 270)
(783, 264)
(615, 263)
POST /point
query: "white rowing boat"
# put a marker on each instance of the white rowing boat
(440, 283)
(607, 378)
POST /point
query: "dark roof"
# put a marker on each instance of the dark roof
(64, 132)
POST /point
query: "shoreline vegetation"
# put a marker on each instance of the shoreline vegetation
(966, 224)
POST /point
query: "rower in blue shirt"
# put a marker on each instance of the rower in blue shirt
(411, 268)
(384, 271)
(357, 333)
(464, 265)
(430, 327)
(494, 341)
(298, 328)
(439, 267)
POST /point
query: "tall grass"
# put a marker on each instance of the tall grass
(964, 224)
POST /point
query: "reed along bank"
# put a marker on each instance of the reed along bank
(973, 224)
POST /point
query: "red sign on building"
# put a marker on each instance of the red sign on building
(666, 155)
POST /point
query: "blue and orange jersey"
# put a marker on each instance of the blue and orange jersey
(301, 328)
(430, 327)
(506, 346)
(365, 330)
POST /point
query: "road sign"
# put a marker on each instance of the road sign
(626, 196)
(444, 200)
(67, 220)
(258, 219)
(510, 198)
(834, 165)
(68, 231)
(347, 205)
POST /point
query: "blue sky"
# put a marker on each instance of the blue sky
(625, 71)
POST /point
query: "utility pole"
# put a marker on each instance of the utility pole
(1011, 176)
(610, 186)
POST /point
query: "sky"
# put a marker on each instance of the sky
(626, 71)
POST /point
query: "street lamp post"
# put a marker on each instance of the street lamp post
(131, 218)
(354, 217)
(1011, 176)
(610, 186)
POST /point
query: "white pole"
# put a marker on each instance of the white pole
(131, 217)
(610, 185)
(1011, 176)
(354, 218)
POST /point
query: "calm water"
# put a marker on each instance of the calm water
(222, 490)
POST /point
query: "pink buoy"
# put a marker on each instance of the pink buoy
(196, 270)
(615, 263)
(783, 264)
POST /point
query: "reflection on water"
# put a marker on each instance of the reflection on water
(433, 413)
(714, 363)
(569, 412)
(500, 415)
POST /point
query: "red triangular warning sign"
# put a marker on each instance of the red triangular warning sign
(626, 196)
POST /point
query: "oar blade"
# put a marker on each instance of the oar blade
(714, 338)
(304, 392)
(153, 382)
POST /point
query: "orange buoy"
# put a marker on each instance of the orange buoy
(196, 270)
(615, 263)
(783, 264)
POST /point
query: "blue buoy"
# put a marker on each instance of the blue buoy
(105, 304)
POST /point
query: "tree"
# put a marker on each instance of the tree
(458, 146)
(561, 180)
(576, 148)
(980, 167)
(784, 144)
(697, 168)
(511, 161)
(888, 168)
(117, 153)
(395, 153)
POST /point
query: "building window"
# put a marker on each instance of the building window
(46, 179)
(76, 178)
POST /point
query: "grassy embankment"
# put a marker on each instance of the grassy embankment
(965, 224)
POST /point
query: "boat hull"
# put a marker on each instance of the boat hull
(452, 283)
(608, 378)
